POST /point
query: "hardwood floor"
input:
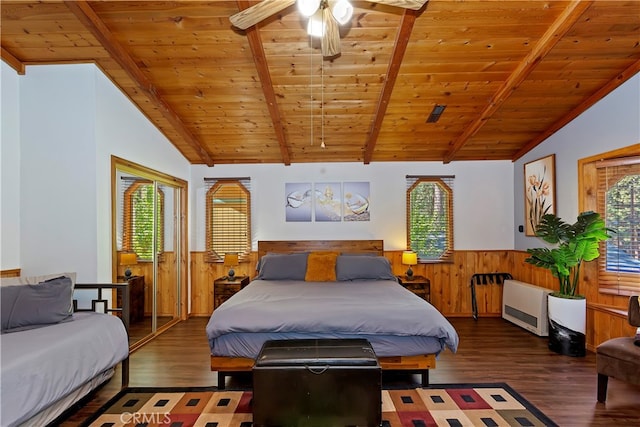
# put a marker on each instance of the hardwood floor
(491, 350)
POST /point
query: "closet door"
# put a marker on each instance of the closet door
(149, 242)
(167, 289)
(135, 249)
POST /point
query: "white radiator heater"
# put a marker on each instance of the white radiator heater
(526, 305)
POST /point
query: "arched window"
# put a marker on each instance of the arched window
(228, 218)
(430, 217)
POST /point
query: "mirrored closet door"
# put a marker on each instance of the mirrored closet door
(149, 246)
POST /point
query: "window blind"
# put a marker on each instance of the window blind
(618, 201)
(228, 218)
(430, 216)
(138, 217)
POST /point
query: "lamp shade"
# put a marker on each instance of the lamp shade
(342, 11)
(409, 258)
(315, 26)
(230, 259)
(128, 259)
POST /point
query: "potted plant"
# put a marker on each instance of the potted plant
(574, 243)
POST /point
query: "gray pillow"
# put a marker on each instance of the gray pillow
(359, 253)
(283, 266)
(42, 304)
(363, 267)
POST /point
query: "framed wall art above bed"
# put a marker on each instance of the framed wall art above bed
(327, 202)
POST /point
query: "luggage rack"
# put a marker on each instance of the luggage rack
(484, 279)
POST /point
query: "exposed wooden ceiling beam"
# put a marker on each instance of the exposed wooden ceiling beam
(400, 47)
(549, 39)
(583, 106)
(83, 11)
(260, 59)
(13, 62)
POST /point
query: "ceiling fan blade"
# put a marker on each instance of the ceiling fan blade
(331, 39)
(407, 4)
(259, 11)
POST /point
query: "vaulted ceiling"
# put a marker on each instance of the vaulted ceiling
(510, 73)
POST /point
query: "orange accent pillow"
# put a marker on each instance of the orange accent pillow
(321, 267)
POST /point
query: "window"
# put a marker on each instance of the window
(430, 217)
(618, 200)
(137, 235)
(228, 218)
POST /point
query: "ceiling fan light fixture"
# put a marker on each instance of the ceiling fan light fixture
(315, 26)
(308, 7)
(342, 11)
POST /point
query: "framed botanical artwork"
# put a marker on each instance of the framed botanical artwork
(539, 192)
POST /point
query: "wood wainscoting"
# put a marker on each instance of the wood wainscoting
(167, 298)
(14, 272)
(450, 288)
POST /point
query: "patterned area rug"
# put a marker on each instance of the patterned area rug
(437, 405)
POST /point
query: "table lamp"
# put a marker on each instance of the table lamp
(231, 260)
(128, 260)
(409, 258)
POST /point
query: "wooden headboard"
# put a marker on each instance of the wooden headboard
(347, 246)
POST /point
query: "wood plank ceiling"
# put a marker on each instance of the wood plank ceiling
(510, 73)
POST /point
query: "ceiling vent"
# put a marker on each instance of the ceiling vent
(436, 113)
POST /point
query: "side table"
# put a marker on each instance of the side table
(419, 285)
(223, 288)
(136, 297)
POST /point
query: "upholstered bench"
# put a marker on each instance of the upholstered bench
(317, 382)
(619, 357)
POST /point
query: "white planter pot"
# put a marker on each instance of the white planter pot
(567, 325)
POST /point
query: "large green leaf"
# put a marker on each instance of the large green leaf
(574, 243)
(552, 229)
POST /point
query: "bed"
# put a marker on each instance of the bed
(53, 353)
(327, 289)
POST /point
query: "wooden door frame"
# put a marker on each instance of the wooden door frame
(181, 186)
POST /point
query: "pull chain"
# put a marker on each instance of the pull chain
(311, 86)
(322, 145)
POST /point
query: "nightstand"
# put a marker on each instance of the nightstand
(419, 285)
(223, 288)
(136, 297)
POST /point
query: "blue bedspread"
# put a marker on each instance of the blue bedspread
(41, 366)
(393, 319)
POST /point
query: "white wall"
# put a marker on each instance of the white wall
(57, 173)
(123, 131)
(71, 120)
(9, 169)
(612, 123)
(483, 201)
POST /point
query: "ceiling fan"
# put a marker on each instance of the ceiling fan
(324, 17)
